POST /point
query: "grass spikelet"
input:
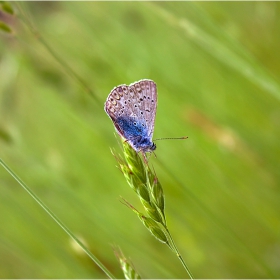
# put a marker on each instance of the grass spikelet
(153, 226)
(134, 162)
(150, 192)
(143, 182)
(126, 266)
(156, 192)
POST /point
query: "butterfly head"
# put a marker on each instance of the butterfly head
(153, 147)
(142, 144)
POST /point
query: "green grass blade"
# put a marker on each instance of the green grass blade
(23, 16)
(56, 219)
(222, 52)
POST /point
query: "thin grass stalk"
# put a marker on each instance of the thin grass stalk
(56, 219)
(69, 70)
(225, 54)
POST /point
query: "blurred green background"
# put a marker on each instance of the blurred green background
(216, 65)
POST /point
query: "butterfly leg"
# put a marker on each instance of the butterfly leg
(144, 157)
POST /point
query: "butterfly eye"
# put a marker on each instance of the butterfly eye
(134, 123)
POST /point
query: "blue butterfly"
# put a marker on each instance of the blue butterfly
(133, 110)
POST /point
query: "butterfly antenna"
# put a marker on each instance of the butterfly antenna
(172, 138)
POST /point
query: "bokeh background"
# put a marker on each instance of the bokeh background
(216, 65)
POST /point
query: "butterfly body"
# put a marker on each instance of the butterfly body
(133, 109)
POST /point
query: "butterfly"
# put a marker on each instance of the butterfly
(132, 108)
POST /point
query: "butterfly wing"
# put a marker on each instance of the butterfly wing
(136, 103)
(115, 105)
(147, 99)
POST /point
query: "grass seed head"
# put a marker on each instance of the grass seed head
(126, 266)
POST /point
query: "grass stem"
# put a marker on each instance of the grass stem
(56, 219)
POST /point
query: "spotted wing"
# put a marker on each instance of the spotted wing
(138, 102)
(146, 91)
